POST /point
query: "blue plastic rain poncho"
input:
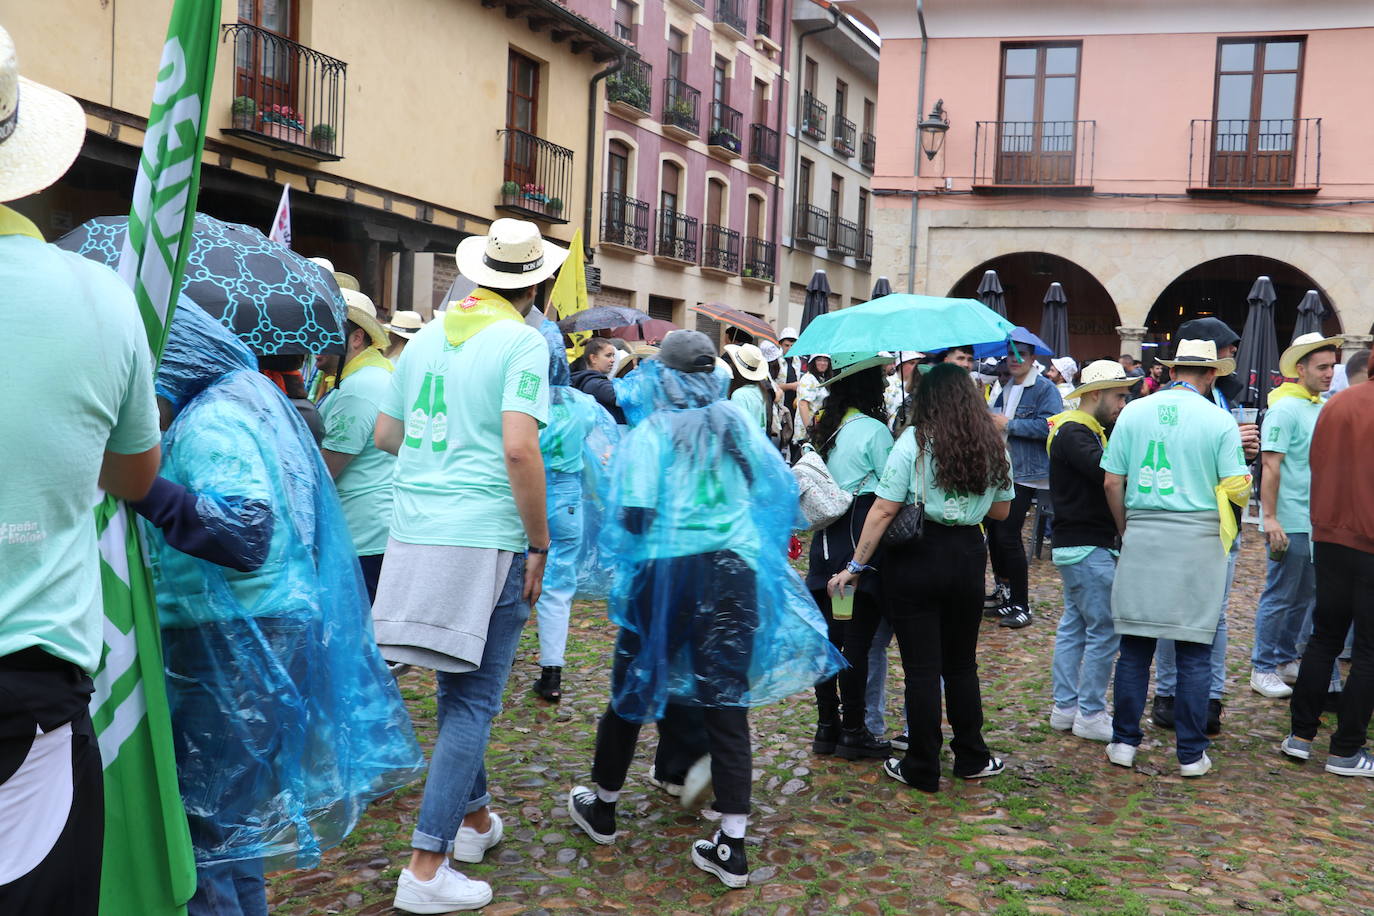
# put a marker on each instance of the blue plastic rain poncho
(285, 718)
(700, 512)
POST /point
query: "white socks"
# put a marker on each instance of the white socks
(608, 797)
(732, 825)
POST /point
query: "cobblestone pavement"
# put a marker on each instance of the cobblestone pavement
(1061, 831)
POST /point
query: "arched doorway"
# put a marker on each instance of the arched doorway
(1218, 289)
(1026, 275)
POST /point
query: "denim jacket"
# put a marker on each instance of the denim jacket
(1028, 430)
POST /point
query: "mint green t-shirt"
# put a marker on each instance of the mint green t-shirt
(859, 454)
(900, 484)
(77, 382)
(1173, 448)
(450, 484)
(350, 415)
(1288, 428)
(749, 399)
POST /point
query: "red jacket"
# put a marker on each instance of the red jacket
(1342, 486)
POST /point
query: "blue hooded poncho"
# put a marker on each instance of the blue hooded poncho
(285, 719)
(696, 483)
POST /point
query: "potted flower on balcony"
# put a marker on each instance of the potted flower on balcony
(534, 196)
(322, 138)
(680, 112)
(245, 112)
(510, 194)
(748, 271)
(723, 136)
(282, 122)
(555, 206)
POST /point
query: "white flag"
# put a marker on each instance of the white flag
(281, 223)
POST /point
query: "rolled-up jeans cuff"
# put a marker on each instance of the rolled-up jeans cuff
(427, 843)
(477, 803)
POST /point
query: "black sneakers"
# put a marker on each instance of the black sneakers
(1162, 711)
(594, 816)
(827, 736)
(1213, 718)
(859, 742)
(1014, 617)
(550, 684)
(999, 598)
(723, 857)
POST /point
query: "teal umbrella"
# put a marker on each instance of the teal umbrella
(903, 322)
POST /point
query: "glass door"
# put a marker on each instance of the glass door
(1038, 127)
(1253, 138)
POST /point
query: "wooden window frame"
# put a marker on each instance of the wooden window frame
(1004, 158)
(251, 81)
(1257, 72)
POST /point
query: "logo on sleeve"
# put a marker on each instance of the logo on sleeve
(528, 387)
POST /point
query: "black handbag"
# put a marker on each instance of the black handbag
(910, 521)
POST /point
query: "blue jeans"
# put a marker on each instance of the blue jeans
(1290, 594)
(1085, 645)
(229, 889)
(1166, 671)
(875, 692)
(457, 782)
(1190, 705)
(564, 503)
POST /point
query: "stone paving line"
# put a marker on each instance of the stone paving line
(1061, 831)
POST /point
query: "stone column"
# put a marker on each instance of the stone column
(1131, 339)
(1354, 343)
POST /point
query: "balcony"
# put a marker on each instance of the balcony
(724, 137)
(813, 225)
(763, 23)
(630, 91)
(844, 237)
(866, 253)
(538, 177)
(868, 150)
(681, 104)
(720, 250)
(624, 222)
(286, 96)
(813, 117)
(625, 33)
(730, 19)
(759, 258)
(691, 6)
(1271, 156)
(675, 239)
(844, 136)
(763, 149)
(1034, 156)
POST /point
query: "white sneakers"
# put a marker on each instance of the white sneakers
(1198, 767)
(1096, 727)
(1123, 755)
(1288, 671)
(696, 785)
(1061, 717)
(445, 892)
(1269, 684)
(471, 846)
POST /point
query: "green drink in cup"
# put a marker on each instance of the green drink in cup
(842, 603)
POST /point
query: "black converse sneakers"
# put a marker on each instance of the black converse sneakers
(594, 816)
(723, 857)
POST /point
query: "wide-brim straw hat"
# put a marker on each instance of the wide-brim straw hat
(638, 353)
(41, 129)
(1100, 375)
(847, 364)
(363, 313)
(748, 361)
(345, 280)
(1288, 362)
(1199, 354)
(405, 323)
(512, 255)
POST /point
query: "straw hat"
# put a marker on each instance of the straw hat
(1100, 375)
(1288, 362)
(405, 323)
(512, 255)
(345, 281)
(847, 364)
(748, 361)
(638, 353)
(41, 129)
(1199, 354)
(363, 313)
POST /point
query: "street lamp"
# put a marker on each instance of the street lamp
(933, 130)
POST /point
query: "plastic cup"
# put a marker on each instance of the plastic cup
(842, 603)
(1245, 415)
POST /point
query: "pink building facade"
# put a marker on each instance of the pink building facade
(1153, 158)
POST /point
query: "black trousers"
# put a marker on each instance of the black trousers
(1345, 582)
(681, 742)
(372, 571)
(1007, 548)
(853, 637)
(934, 592)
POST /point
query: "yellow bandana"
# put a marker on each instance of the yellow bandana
(14, 223)
(369, 357)
(1292, 390)
(1075, 416)
(1231, 490)
(476, 313)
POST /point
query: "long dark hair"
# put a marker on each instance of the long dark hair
(829, 367)
(862, 391)
(953, 425)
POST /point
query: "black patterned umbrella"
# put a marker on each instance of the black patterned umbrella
(990, 293)
(1257, 359)
(276, 301)
(1054, 321)
(1310, 315)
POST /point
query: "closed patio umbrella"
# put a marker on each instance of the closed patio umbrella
(1257, 360)
(881, 288)
(817, 298)
(1311, 311)
(1054, 321)
(990, 293)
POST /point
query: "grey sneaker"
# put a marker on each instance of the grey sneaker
(1296, 748)
(1360, 763)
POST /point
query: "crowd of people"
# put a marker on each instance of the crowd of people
(439, 481)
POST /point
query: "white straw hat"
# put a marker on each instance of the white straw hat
(363, 313)
(41, 129)
(748, 360)
(405, 323)
(1100, 375)
(345, 281)
(512, 255)
(1200, 354)
(1288, 362)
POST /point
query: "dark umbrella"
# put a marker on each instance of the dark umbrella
(1310, 315)
(651, 331)
(990, 293)
(733, 317)
(1054, 321)
(276, 301)
(881, 288)
(601, 316)
(817, 298)
(1257, 360)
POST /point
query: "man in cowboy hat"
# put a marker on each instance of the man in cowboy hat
(361, 471)
(1172, 461)
(469, 535)
(79, 417)
(1084, 549)
(1290, 586)
(404, 325)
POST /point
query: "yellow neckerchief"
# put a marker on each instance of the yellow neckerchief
(1231, 490)
(13, 222)
(476, 313)
(369, 357)
(1075, 416)
(1293, 390)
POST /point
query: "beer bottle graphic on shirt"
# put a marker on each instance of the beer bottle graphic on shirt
(1145, 482)
(418, 417)
(1164, 474)
(438, 431)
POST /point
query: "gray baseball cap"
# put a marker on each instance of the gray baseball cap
(687, 351)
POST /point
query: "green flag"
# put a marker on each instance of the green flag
(149, 866)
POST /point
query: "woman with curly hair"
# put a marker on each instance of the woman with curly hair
(851, 436)
(952, 461)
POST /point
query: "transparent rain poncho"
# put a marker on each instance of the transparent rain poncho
(700, 511)
(285, 719)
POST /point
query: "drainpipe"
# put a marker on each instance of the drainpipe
(916, 172)
(594, 161)
(801, 56)
(780, 127)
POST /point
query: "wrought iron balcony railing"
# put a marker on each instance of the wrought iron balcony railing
(764, 23)
(681, 106)
(844, 236)
(813, 225)
(759, 257)
(286, 95)
(720, 248)
(868, 150)
(632, 86)
(1034, 153)
(676, 236)
(763, 146)
(866, 254)
(1273, 154)
(725, 128)
(730, 13)
(624, 221)
(813, 117)
(844, 135)
(538, 177)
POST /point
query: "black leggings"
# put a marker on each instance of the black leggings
(1007, 548)
(853, 637)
